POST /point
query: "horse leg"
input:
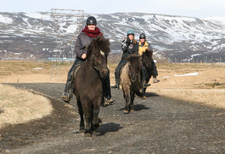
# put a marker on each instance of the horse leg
(88, 119)
(81, 116)
(126, 92)
(96, 109)
(132, 94)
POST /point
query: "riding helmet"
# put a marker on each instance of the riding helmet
(130, 32)
(142, 36)
(91, 21)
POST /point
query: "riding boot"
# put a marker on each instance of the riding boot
(145, 85)
(117, 73)
(155, 80)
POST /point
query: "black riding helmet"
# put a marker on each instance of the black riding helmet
(142, 36)
(91, 21)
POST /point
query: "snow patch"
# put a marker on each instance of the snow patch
(5, 20)
(189, 74)
(37, 68)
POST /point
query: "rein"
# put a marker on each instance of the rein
(95, 67)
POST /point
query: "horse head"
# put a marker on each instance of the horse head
(97, 54)
(134, 67)
(147, 58)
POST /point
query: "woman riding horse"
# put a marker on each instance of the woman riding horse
(143, 45)
(83, 41)
(129, 46)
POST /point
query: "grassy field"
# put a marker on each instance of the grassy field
(19, 106)
(206, 86)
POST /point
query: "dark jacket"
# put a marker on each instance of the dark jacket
(82, 42)
(129, 47)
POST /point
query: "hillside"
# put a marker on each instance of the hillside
(33, 36)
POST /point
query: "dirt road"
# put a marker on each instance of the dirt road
(158, 125)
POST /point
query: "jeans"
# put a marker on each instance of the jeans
(154, 71)
(118, 69)
(69, 81)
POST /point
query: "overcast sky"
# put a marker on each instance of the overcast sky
(192, 8)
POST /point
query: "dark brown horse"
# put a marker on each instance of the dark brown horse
(147, 62)
(88, 85)
(131, 81)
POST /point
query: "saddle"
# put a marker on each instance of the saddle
(76, 69)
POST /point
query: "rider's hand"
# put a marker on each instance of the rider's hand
(128, 41)
(84, 56)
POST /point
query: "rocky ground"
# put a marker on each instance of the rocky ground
(158, 125)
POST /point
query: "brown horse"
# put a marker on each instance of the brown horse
(131, 81)
(147, 62)
(88, 86)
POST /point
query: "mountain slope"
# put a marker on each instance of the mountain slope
(180, 38)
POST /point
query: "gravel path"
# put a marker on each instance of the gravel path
(158, 125)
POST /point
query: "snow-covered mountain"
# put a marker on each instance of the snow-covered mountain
(177, 37)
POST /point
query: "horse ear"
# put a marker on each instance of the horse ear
(147, 50)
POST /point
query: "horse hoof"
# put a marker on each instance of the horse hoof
(100, 121)
(144, 97)
(87, 134)
(132, 110)
(94, 132)
(82, 130)
(125, 111)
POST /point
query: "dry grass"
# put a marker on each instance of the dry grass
(26, 71)
(19, 106)
(210, 97)
(208, 87)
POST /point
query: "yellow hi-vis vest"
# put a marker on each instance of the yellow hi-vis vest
(142, 48)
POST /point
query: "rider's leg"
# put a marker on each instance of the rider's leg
(155, 72)
(67, 95)
(143, 77)
(117, 72)
(107, 90)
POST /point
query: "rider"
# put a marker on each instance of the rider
(143, 45)
(83, 41)
(129, 46)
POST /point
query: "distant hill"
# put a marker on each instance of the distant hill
(178, 38)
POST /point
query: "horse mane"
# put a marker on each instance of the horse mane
(148, 53)
(135, 60)
(132, 57)
(99, 43)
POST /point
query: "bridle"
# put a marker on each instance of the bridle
(95, 67)
(129, 74)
